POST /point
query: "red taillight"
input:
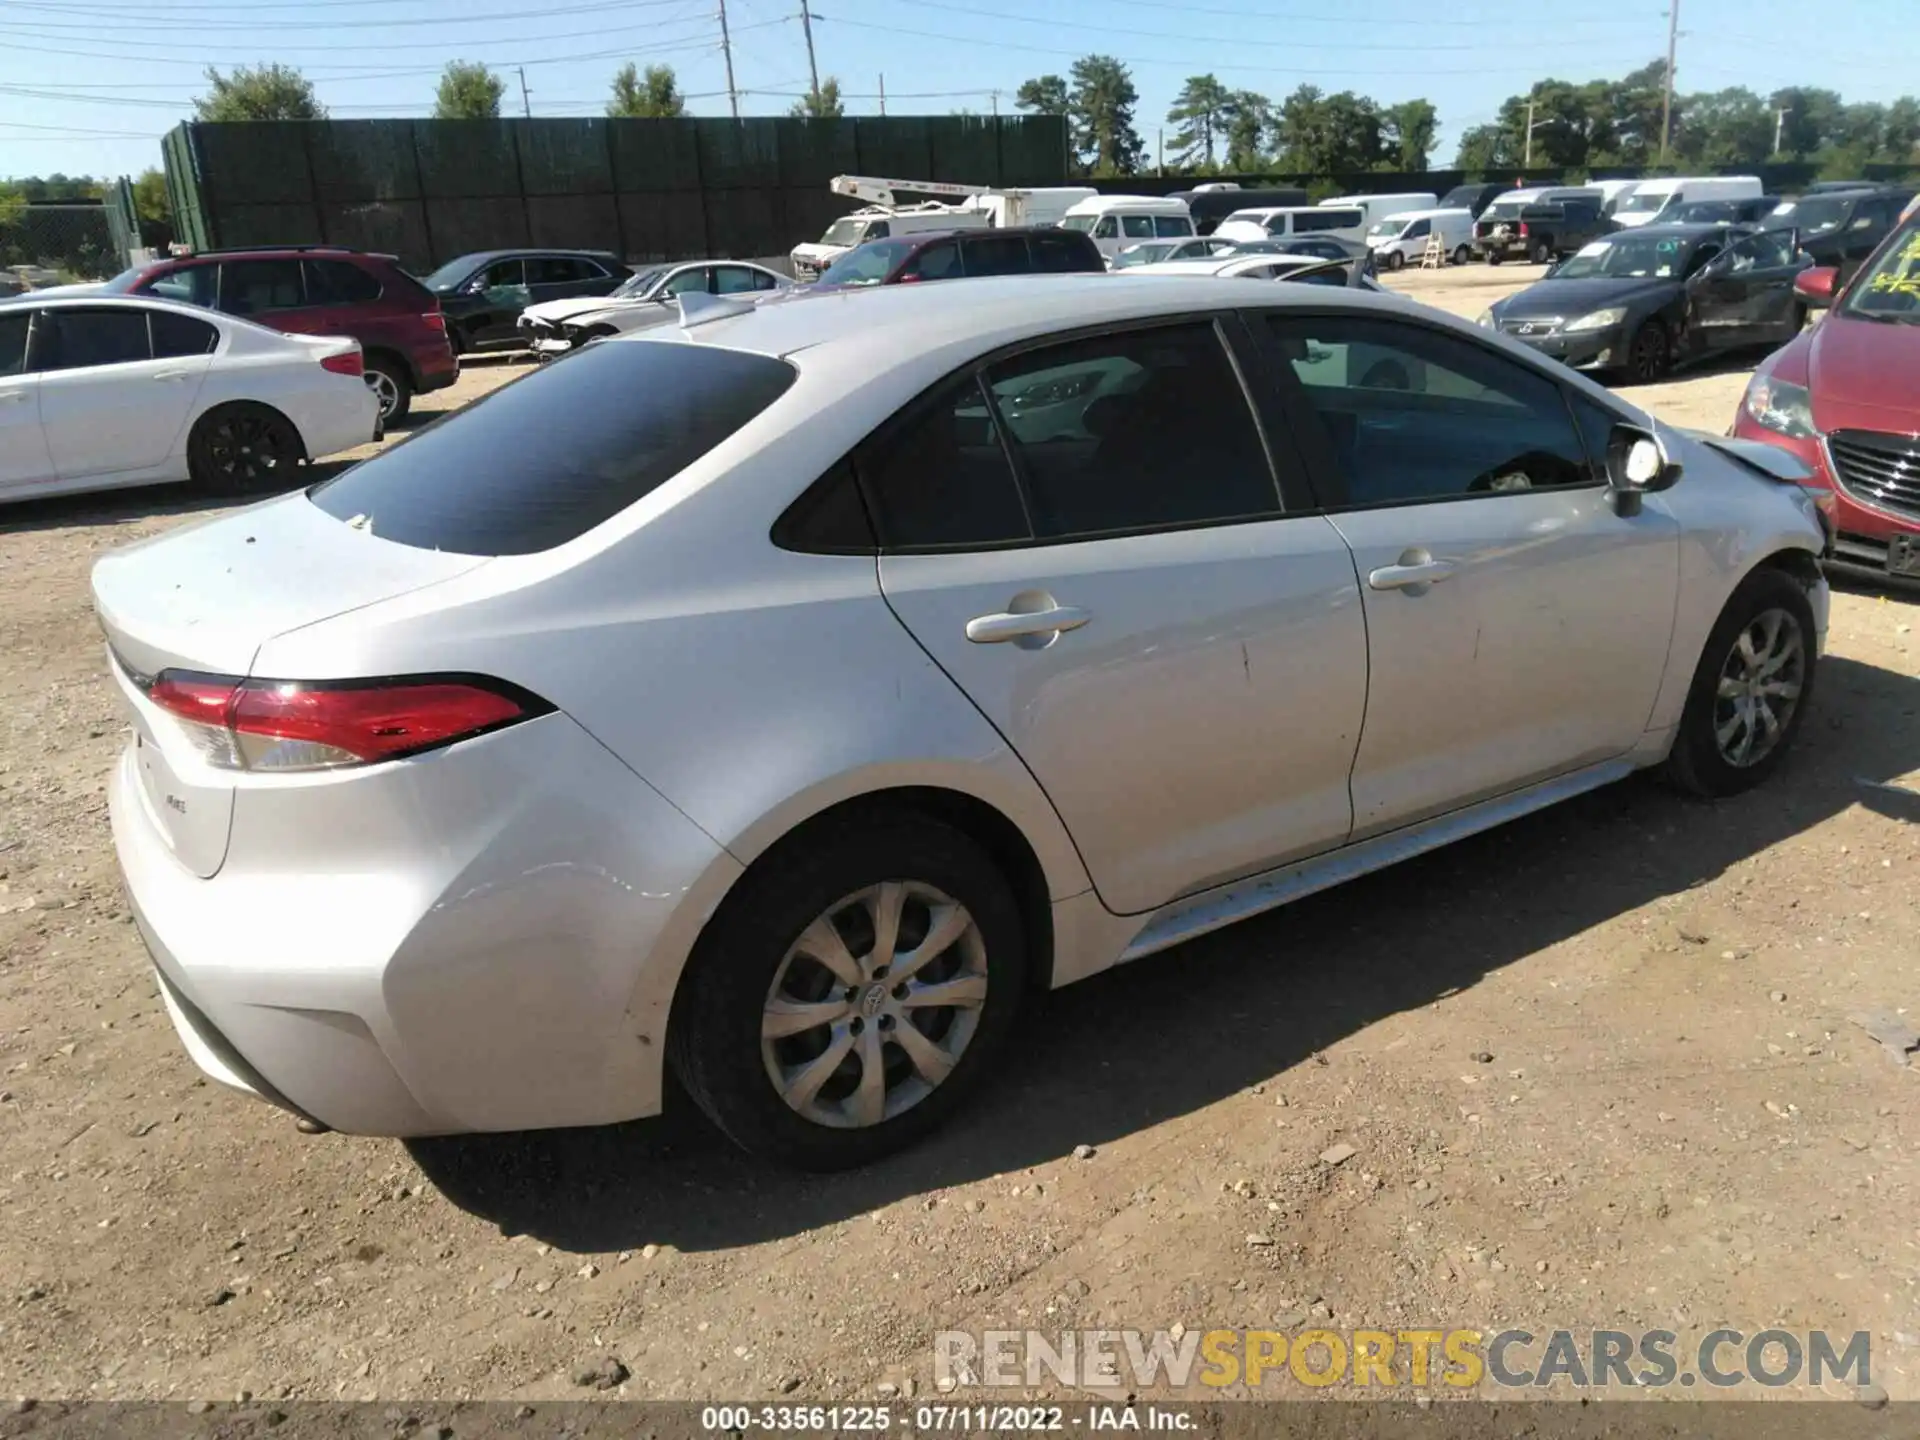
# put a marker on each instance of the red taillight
(1523, 229)
(347, 364)
(285, 725)
(435, 321)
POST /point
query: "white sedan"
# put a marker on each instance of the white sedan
(785, 694)
(98, 392)
(646, 300)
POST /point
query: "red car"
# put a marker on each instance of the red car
(1845, 398)
(319, 290)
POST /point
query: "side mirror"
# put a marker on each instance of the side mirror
(1816, 286)
(1637, 466)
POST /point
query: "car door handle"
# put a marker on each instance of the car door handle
(174, 375)
(1011, 625)
(1402, 576)
(11, 397)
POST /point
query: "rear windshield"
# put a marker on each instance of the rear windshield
(501, 478)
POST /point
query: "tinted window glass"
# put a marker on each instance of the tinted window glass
(1130, 431)
(1414, 415)
(13, 343)
(500, 478)
(1061, 253)
(878, 230)
(732, 279)
(336, 282)
(997, 255)
(1107, 229)
(1419, 230)
(1770, 250)
(696, 279)
(559, 270)
(1308, 220)
(180, 335)
(1172, 225)
(258, 287)
(1596, 428)
(504, 275)
(829, 519)
(866, 264)
(763, 281)
(944, 480)
(1137, 227)
(82, 338)
(936, 262)
(192, 285)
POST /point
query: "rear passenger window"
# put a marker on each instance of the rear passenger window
(1137, 227)
(998, 255)
(1165, 225)
(1133, 431)
(500, 478)
(177, 335)
(943, 481)
(1062, 252)
(81, 339)
(13, 344)
(335, 282)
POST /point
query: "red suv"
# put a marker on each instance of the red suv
(319, 290)
(1845, 398)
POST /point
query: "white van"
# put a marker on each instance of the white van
(1650, 199)
(1378, 207)
(877, 222)
(1276, 221)
(1612, 192)
(1046, 206)
(1116, 221)
(1402, 239)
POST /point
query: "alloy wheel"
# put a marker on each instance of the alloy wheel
(1759, 688)
(874, 1004)
(384, 390)
(247, 451)
(1648, 360)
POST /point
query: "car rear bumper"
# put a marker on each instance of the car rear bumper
(445, 944)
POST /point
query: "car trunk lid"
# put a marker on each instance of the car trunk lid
(204, 599)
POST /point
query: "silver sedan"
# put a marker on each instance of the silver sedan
(784, 694)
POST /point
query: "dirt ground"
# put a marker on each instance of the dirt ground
(1596, 1069)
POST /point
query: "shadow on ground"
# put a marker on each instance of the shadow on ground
(1153, 1041)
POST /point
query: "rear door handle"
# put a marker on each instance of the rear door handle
(1405, 575)
(11, 397)
(174, 375)
(1011, 625)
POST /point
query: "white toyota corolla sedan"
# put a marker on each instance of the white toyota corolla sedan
(103, 391)
(787, 694)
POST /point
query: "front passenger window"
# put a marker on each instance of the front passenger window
(1107, 229)
(1410, 415)
(82, 339)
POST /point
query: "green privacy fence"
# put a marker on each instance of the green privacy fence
(427, 190)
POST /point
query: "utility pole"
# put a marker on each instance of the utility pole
(726, 49)
(806, 24)
(1527, 164)
(996, 103)
(1779, 126)
(883, 93)
(1160, 146)
(526, 104)
(1666, 101)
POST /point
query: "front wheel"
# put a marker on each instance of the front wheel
(1750, 691)
(243, 448)
(1648, 354)
(1395, 260)
(1461, 255)
(852, 992)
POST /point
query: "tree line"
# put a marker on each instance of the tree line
(468, 90)
(1600, 123)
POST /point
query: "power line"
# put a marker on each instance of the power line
(147, 17)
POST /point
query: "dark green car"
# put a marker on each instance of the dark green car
(483, 294)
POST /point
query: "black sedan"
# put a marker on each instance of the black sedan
(483, 294)
(1640, 301)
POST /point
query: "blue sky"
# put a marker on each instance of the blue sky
(89, 87)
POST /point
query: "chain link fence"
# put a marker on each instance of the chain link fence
(43, 245)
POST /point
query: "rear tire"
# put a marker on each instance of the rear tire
(761, 1012)
(1750, 691)
(1494, 257)
(1541, 253)
(391, 385)
(1462, 255)
(242, 449)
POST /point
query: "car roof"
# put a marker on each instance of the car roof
(1691, 230)
(984, 312)
(130, 302)
(519, 250)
